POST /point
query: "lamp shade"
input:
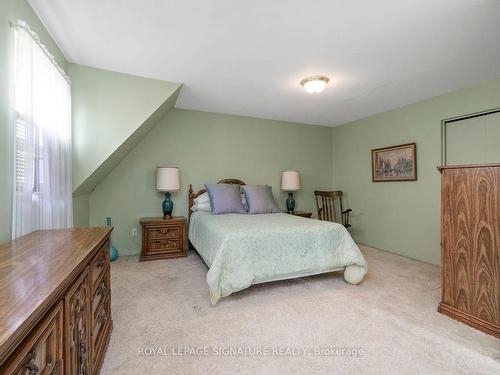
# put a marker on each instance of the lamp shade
(290, 181)
(167, 179)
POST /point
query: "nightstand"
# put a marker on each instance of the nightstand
(163, 238)
(300, 213)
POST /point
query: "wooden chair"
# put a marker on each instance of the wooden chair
(325, 203)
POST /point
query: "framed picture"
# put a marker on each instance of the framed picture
(395, 163)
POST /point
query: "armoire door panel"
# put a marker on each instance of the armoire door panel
(470, 231)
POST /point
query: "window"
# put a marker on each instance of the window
(20, 152)
(20, 155)
(42, 144)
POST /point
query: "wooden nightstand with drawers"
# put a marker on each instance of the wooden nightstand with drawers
(163, 238)
(300, 213)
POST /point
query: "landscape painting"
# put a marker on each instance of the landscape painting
(395, 163)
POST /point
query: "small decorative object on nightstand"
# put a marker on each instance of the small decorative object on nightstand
(301, 213)
(167, 180)
(162, 239)
(290, 181)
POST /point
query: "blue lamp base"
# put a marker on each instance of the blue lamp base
(167, 206)
(290, 202)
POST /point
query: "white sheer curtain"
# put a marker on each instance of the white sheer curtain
(42, 191)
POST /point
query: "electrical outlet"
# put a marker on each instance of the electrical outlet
(134, 232)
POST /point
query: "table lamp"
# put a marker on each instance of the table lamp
(167, 181)
(290, 182)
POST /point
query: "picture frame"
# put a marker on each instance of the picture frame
(395, 163)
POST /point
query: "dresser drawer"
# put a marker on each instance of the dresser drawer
(163, 232)
(163, 246)
(100, 294)
(98, 265)
(100, 330)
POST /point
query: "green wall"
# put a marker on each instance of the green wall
(108, 107)
(81, 213)
(403, 217)
(11, 10)
(111, 113)
(208, 147)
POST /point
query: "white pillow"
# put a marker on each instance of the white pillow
(244, 201)
(202, 202)
(204, 206)
(203, 198)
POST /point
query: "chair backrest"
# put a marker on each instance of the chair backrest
(325, 203)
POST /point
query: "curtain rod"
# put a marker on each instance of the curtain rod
(23, 25)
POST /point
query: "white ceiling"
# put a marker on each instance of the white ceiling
(248, 57)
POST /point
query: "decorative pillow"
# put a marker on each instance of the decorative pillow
(225, 199)
(260, 199)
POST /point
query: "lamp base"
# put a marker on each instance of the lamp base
(290, 203)
(167, 207)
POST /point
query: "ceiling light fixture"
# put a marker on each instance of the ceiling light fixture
(314, 84)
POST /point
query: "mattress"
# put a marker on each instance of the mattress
(242, 249)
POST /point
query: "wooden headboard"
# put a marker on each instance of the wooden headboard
(192, 195)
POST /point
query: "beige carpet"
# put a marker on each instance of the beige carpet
(279, 328)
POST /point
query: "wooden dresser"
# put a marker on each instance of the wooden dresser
(163, 238)
(470, 245)
(55, 302)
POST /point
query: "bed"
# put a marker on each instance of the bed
(243, 249)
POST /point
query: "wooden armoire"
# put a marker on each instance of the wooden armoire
(470, 245)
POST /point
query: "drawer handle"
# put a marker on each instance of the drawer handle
(169, 242)
(30, 366)
(163, 231)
